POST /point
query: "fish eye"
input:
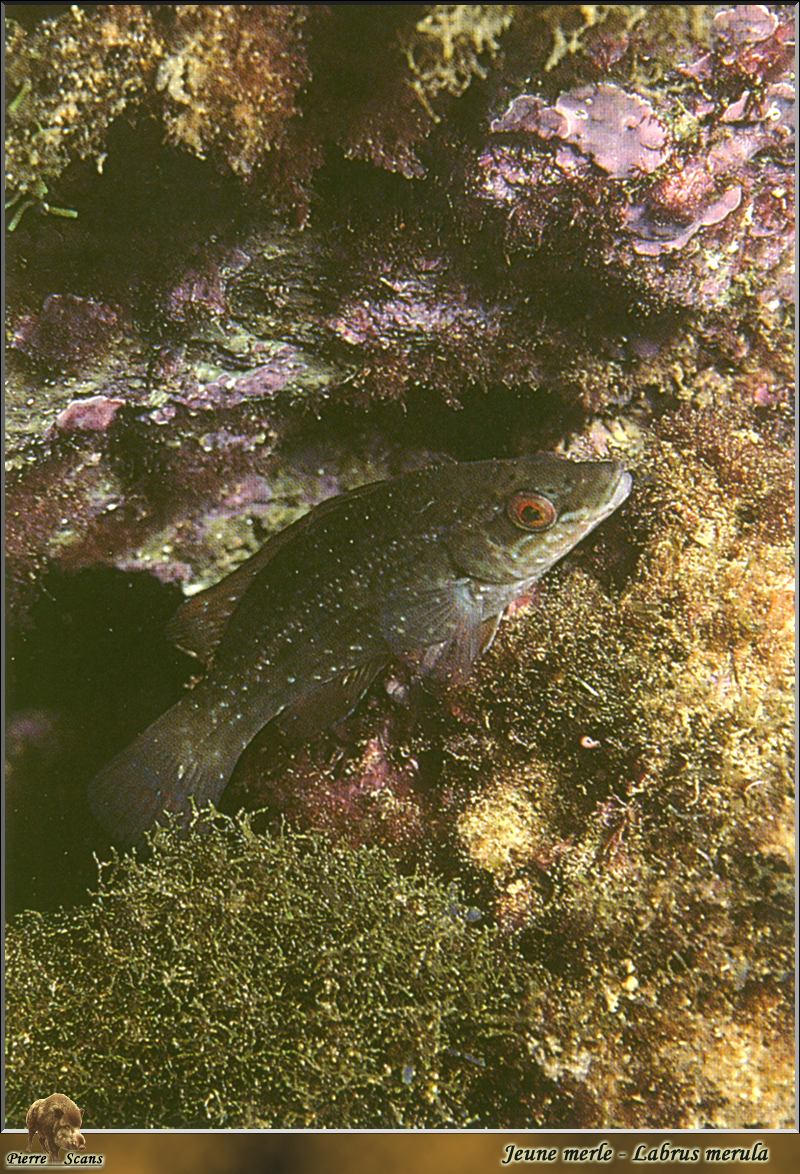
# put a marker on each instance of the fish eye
(531, 511)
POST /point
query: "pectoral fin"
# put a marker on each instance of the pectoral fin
(443, 625)
(414, 616)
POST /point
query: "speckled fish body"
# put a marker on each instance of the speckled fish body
(422, 565)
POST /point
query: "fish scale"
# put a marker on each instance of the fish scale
(421, 567)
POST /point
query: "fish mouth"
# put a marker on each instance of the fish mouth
(621, 491)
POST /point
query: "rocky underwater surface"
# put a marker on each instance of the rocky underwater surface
(259, 255)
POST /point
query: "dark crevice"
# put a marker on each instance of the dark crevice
(91, 669)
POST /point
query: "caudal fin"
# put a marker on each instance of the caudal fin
(175, 758)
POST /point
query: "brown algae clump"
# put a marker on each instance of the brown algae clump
(305, 235)
(662, 705)
(69, 79)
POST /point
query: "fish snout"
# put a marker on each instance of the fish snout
(619, 488)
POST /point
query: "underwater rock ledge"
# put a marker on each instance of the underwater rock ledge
(262, 254)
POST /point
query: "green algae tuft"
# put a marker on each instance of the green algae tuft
(235, 979)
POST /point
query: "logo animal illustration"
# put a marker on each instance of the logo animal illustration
(56, 1120)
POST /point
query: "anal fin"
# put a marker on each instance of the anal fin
(326, 702)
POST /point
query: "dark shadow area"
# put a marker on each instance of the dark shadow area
(499, 422)
(138, 220)
(93, 669)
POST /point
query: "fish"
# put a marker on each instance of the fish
(419, 567)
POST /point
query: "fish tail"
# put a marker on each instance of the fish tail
(180, 756)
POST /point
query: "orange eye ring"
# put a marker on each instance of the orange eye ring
(531, 511)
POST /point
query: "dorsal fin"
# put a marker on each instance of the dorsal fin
(199, 623)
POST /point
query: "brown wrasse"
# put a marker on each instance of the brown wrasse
(421, 566)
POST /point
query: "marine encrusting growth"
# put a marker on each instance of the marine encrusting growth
(260, 256)
(422, 565)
